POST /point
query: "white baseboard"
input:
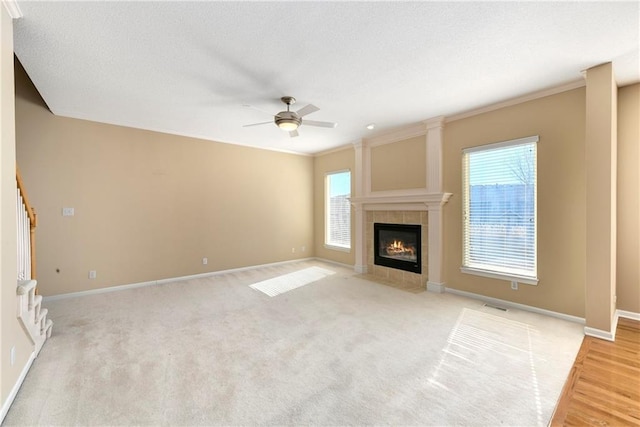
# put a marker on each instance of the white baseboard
(16, 387)
(329, 261)
(628, 314)
(611, 335)
(605, 335)
(599, 333)
(504, 303)
(163, 281)
(436, 287)
(360, 269)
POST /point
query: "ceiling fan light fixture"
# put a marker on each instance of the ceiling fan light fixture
(287, 120)
(287, 124)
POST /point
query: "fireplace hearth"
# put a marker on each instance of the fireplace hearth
(398, 246)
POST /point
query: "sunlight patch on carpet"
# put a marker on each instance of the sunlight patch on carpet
(496, 357)
(281, 284)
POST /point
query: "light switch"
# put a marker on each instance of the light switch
(68, 212)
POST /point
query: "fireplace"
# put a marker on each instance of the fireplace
(398, 246)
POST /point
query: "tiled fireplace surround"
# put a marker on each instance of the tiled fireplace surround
(405, 206)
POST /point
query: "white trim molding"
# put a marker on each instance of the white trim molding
(436, 287)
(519, 100)
(398, 134)
(12, 9)
(16, 387)
(628, 314)
(163, 281)
(605, 335)
(428, 198)
(524, 307)
(330, 261)
(500, 276)
(599, 333)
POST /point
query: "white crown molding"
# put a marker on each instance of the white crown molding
(398, 134)
(435, 122)
(12, 8)
(519, 100)
(348, 146)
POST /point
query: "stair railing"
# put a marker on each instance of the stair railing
(27, 222)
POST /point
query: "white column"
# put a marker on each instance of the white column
(361, 246)
(435, 281)
(434, 154)
(359, 213)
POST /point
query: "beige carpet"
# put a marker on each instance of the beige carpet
(338, 351)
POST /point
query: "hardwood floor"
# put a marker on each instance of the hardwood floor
(603, 388)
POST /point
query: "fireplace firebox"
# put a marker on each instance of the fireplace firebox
(398, 246)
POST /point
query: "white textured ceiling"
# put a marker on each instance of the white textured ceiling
(188, 67)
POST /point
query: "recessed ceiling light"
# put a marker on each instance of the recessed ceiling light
(370, 126)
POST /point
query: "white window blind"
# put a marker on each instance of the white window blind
(499, 208)
(338, 209)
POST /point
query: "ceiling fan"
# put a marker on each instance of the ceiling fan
(289, 121)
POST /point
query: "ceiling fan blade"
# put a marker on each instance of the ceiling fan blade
(319, 124)
(293, 133)
(257, 124)
(307, 110)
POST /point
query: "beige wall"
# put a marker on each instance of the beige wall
(323, 164)
(601, 164)
(150, 206)
(11, 331)
(628, 267)
(400, 165)
(559, 120)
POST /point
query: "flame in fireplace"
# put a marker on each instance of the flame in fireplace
(397, 247)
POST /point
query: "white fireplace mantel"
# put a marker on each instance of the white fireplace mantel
(431, 198)
(401, 202)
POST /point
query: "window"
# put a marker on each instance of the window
(338, 210)
(499, 210)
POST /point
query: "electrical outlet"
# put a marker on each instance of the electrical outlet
(204, 261)
(514, 285)
(92, 274)
(293, 250)
(68, 212)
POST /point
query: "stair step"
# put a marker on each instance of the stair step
(42, 315)
(24, 286)
(37, 303)
(48, 328)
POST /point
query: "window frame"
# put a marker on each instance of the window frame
(490, 273)
(327, 212)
